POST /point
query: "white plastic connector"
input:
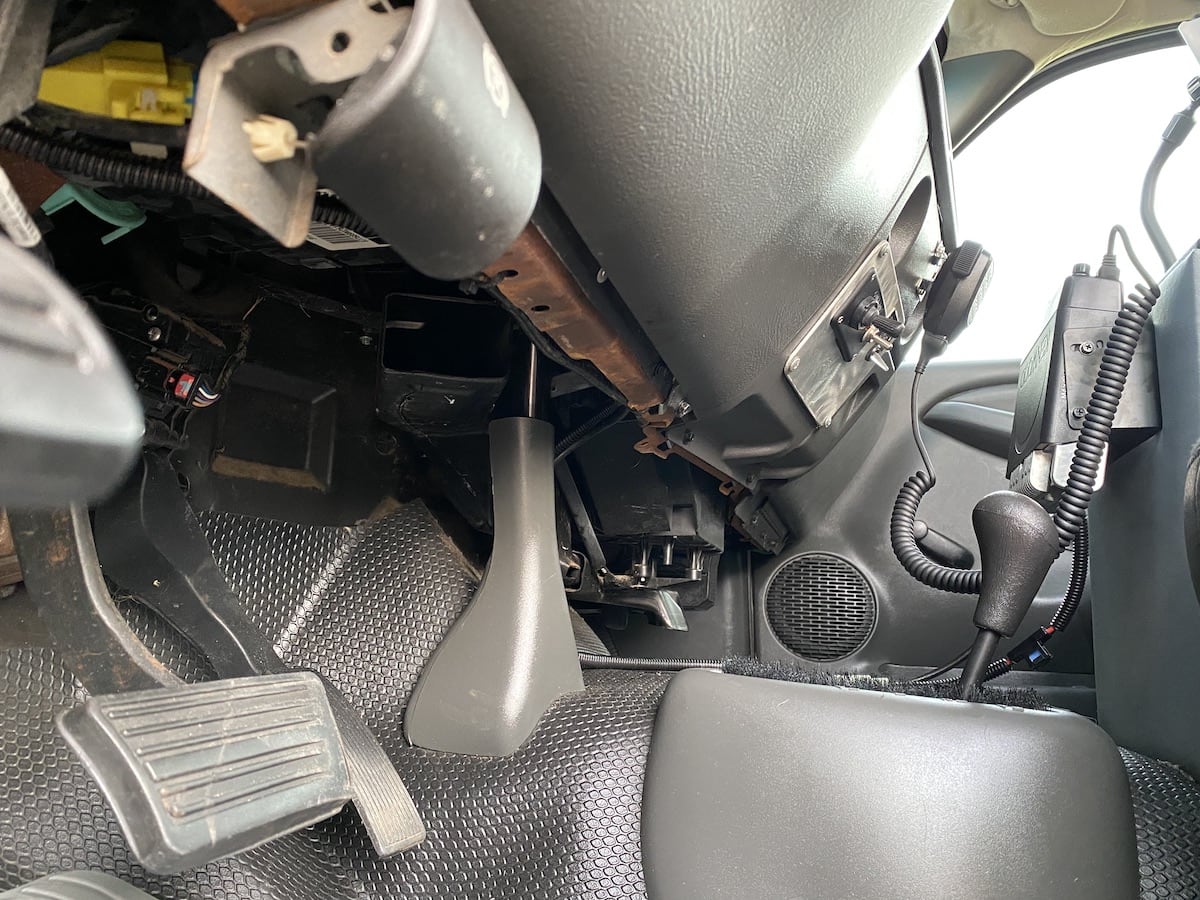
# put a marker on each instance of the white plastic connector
(272, 138)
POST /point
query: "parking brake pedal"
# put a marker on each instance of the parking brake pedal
(200, 771)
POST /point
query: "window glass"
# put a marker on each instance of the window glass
(1041, 187)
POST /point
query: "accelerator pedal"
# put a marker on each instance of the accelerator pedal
(202, 771)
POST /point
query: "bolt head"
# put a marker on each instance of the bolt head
(366, 340)
(154, 334)
(1079, 412)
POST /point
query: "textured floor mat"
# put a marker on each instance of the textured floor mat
(366, 606)
(1166, 809)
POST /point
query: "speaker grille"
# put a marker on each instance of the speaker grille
(820, 607)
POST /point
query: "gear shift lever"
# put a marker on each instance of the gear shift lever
(1017, 544)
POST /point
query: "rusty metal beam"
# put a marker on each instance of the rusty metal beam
(33, 182)
(536, 281)
(246, 11)
(10, 566)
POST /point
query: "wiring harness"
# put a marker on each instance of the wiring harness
(1070, 513)
(128, 170)
(1070, 516)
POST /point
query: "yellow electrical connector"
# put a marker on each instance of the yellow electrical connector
(123, 80)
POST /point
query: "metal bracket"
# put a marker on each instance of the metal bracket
(292, 69)
(816, 368)
(660, 604)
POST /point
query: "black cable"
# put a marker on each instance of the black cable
(908, 500)
(915, 413)
(1074, 595)
(1071, 512)
(1175, 134)
(1149, 217)
(610, 415)
(128, 170)
(943, 669)
(1092, 443)
(909, 552)
(1034, 645)
(994, 670)
(1119, 231)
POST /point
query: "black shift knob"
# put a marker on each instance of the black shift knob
(1017, 544)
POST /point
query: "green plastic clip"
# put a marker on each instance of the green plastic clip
(125, 215)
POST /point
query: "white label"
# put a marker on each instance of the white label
(332, 237)
(15, 217)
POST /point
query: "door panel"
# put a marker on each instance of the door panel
(843, 507)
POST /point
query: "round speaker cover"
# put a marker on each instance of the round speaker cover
(820, 607)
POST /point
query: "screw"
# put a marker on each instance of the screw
(793, 365)
(688, 436)
(1087, 347)
(882, 251)
(366, 340)
(154, 334)
(1078, 412)
(828, 421)
(601, 276)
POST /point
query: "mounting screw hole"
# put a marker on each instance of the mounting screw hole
(340, 42)
(541, 307)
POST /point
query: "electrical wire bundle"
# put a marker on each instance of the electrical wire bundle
(1070, 516)
(204, 396)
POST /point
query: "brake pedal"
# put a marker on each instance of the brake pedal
(205, 770)
(151, 544)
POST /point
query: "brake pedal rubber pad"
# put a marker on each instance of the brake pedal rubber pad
(202, 771)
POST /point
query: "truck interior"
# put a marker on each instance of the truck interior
(509, 448)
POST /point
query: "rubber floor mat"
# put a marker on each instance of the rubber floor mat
(366, 606)
(1166, 811)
